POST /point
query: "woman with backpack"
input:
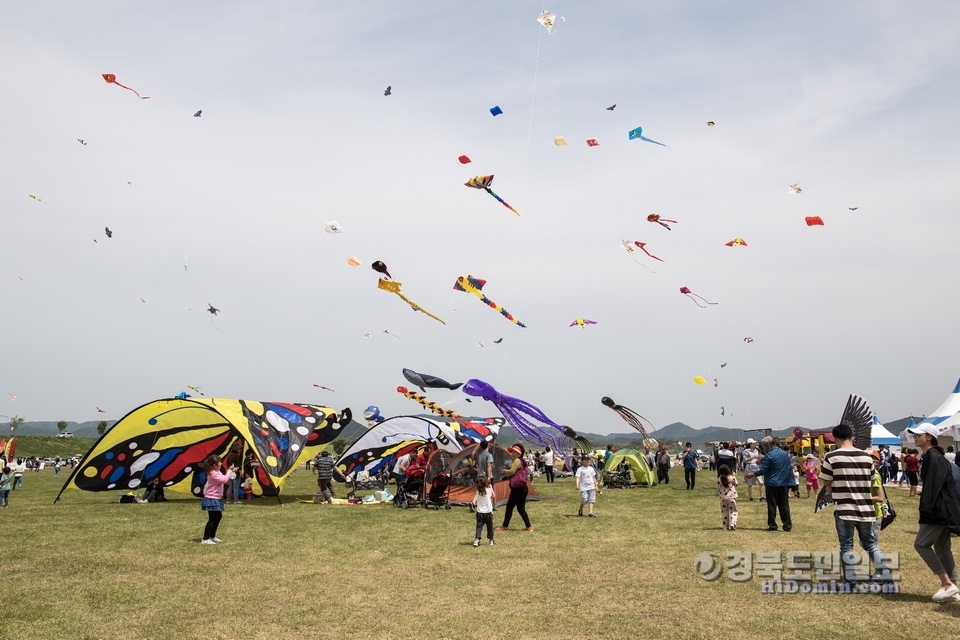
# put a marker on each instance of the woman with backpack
(517, 474)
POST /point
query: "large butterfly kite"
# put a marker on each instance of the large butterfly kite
(170, 439)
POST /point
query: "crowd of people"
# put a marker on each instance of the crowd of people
(851, 479)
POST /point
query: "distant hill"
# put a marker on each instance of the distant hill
(49, 428)
(89, 429)
(669, 434)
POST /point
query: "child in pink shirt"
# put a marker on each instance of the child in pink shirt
(213, 497)
(811, 469)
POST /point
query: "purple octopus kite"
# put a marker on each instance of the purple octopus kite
(516, 411)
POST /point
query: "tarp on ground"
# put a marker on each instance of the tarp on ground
(462, 468)
(170, 439)
(642, 473)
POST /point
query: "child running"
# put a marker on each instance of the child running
(483, 503)
(213, 497)
(727, 487)
(587, 485)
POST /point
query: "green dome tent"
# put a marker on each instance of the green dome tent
(642, 473)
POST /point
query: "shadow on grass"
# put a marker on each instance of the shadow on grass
(740, 528)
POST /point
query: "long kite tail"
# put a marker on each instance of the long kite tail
(528, 430)
(417, 307)
(629, 416)
(502, 201)
(112, 79)
(646, 139)
(493, 305)
(429, 404)
(393, 286)
(643, 265)
(464, 284)
(516, 411)
(131, 89)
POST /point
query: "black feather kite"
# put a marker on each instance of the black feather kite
(859, 417)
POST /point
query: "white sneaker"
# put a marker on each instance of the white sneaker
(945, 594)
(492, 543)
(207, 542)
(216, 539)
(476, 543)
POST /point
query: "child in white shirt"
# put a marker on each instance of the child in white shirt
(587, 485)
(483, 504)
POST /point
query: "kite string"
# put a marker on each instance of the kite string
(753, 387)
(566, 377)
(523, 180)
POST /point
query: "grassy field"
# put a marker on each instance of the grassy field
(89, 567)
(51, 446)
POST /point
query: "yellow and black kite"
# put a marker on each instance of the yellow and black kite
(169, 439)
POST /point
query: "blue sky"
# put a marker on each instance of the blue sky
(855, 102)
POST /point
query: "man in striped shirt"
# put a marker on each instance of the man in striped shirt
(847, 473)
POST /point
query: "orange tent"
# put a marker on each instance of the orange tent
(463, 474)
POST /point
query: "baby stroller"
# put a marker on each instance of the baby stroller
(438, 495)
(616, 479)
(410, 493)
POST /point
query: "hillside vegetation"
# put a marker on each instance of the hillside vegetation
(51, 446)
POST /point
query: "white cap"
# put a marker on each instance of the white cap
(751, 441)
(928, 429)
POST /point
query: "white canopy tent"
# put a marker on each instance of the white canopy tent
(879, 434)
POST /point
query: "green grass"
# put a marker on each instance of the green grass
(51, 446)
(89, 567)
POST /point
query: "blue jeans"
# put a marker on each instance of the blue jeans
(233, 489)
(868, 541)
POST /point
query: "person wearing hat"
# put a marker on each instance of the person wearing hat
(325, 470)
(811, 469)
(517, 475)
(751, 464)
(939, 513)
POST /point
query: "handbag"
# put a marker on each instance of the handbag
(519, 479)
(889, 514)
